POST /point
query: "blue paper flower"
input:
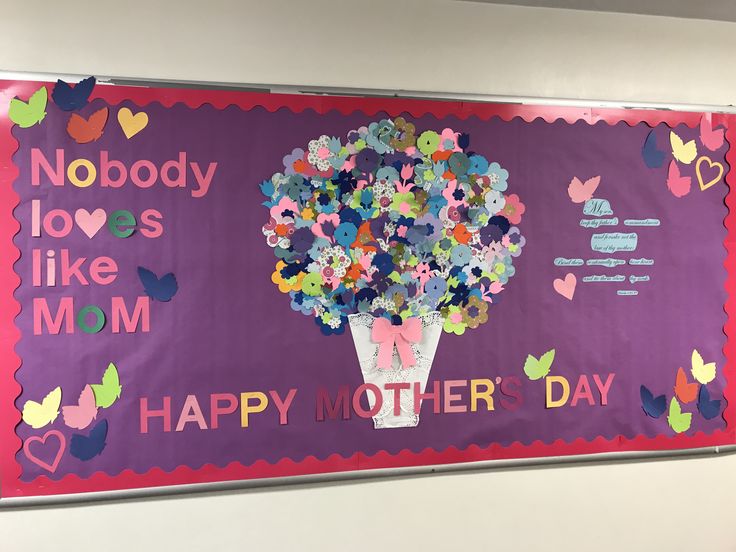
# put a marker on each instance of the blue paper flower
(436, 203)
(302, 303)
(435, 287)
(384, 263)
(267, 188)
(388, 174)
(345, 234)
(498, 177)
(348, 214)
(326, 329)
(379, 135)
(478, 164)
(460, 255)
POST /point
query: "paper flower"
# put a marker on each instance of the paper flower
(396, 222)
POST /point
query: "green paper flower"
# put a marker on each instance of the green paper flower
(428, 142)
(405, 204)
(312, 284)
(454, 322)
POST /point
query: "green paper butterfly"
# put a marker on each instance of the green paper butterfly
(679, 421)
(538, 368)
(109, 390)
(28, 114)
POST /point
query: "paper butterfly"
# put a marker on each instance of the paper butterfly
(537, 369)
(86, 447)
(81, 415)
(712, 139)
(38, 415)
(677, 184)
(28, 114)
(685, 391)
(161, 289)
(702, 372)
(69, 98)
(580, 192)
(683, 152)
(652, 406)
(679, 421)
(109, 390)
(708, 408)
(84, 131)
(653, 158)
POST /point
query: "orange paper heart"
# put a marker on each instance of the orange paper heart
(711, 164)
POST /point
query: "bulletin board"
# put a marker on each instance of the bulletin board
(205, 286)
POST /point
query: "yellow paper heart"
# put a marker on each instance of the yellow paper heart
(132, 124)
(711, 164)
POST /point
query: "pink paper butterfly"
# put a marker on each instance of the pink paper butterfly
(677, 184)
(712, 139)
(81, 415)
(580, 192)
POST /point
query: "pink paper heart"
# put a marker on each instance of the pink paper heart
(90, 223)
(36, 439)
(566, 287)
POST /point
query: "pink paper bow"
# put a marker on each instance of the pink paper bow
(387, 335)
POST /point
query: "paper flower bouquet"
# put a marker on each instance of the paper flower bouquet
(397, 233)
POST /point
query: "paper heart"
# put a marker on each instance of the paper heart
(90, 223)
(711, 164)
(36, 439)
(566, 287)
(132, 124)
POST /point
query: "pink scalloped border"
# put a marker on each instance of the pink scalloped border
(10, 470)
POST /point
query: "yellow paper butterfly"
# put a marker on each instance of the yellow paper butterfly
(684, 153)
(38, 415)
(702, 372)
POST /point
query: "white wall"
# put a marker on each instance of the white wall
(672, 506)
(465, 48)
(432, 45)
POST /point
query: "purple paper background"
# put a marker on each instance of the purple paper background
(229, 329)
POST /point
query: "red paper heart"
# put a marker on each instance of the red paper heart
(35, 459)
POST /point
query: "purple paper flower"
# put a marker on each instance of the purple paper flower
(297, 154)
(367, 160)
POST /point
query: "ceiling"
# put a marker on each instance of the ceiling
(718, 10)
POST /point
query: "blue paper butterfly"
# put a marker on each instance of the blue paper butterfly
(86, 447)
(160, 289)
(68, 98)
